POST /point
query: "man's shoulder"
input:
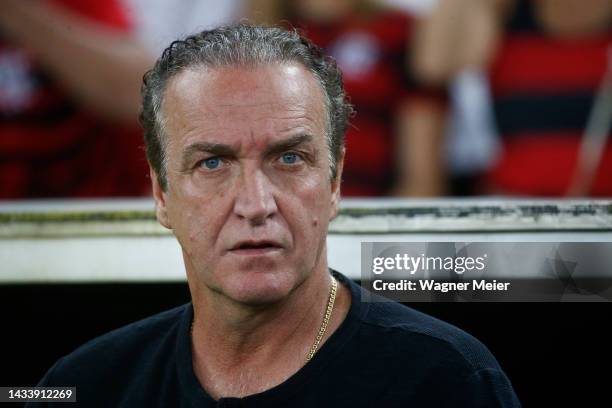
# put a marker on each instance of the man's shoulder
(402, 338)
(415, 329)
(116, 352)
(134, 334)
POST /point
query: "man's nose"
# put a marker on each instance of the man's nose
(255, 200)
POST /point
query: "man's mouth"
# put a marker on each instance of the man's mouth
(255, 247)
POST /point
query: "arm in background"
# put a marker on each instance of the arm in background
(420, 127)
(100, 66)
(457, 35)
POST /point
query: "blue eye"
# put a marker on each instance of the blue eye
(289, 158)
(212, 163)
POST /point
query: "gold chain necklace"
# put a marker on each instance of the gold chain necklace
(324, 324)
(326, 319)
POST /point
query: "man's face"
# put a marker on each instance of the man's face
(249, 195)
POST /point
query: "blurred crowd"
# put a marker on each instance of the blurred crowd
(469, 97)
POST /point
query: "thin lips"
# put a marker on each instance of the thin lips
(249, 244)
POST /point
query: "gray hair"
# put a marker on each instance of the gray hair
(241, 44)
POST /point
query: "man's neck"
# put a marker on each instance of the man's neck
(234, 329)
(240, 350)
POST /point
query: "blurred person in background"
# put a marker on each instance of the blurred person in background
(70, 72)
(547, 62)
(395, 135)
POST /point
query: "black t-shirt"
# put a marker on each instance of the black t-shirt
(384, 354)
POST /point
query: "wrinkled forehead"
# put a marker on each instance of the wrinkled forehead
(262, 99)
(241, 84)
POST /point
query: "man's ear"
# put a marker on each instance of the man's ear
(159, 195)
(335, 186)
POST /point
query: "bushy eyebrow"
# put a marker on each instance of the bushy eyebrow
(288, 144)
(224, 150)
(216, 149)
